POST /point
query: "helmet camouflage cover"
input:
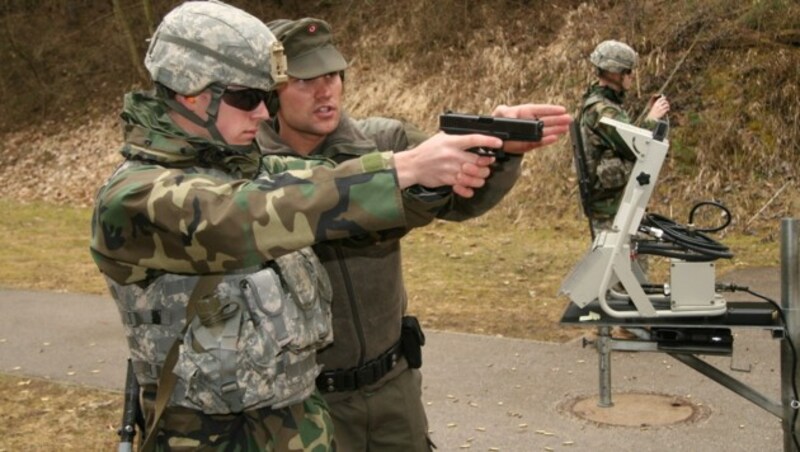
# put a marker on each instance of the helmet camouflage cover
(204, 42)
(614, 56)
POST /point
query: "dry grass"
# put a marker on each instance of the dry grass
(735, 95)
(494, 275)
(48, 246)
(45, 416)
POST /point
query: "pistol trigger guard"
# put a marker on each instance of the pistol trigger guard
(482, 151)
(498, 154)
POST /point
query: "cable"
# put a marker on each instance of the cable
(728, 217)
(685, 242)
(733, 288)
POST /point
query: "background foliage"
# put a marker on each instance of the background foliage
(731, 69)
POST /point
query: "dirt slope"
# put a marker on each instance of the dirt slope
(730, 68)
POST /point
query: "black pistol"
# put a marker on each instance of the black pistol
(506, 129)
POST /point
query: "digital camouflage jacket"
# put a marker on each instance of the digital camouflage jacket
(369, 296)
(608, 159)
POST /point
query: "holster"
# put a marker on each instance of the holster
(412, 339)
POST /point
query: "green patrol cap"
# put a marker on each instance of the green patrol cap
(308, 45)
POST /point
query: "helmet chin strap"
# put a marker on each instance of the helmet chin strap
(212, 112)
(612, 82)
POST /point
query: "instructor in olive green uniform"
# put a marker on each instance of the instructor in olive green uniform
(370, 377)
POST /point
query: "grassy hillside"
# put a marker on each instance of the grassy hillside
(731, 69)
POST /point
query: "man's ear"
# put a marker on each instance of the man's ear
(191, 102)
(186, 101)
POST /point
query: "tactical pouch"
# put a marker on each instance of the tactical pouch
(613, 172)
(253, 344)
(307, 311)
(412, 339)
(208, 358)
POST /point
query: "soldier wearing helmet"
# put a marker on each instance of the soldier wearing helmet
(371, 370)
(204, 243)
(609, 161)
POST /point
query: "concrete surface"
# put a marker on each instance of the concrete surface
(482, 393)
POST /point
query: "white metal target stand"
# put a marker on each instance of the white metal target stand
(687, 317)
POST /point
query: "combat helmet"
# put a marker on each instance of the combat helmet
(211, 45)
(614, 56)
(204, 42)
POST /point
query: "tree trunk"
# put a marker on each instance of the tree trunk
(119, 14)
(148, 16)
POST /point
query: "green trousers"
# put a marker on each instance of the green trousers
(388, 418)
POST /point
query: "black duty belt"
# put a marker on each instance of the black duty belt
(357, 377)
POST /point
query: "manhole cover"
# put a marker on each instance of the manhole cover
(637, 410)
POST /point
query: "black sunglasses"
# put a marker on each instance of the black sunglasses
(245, 99)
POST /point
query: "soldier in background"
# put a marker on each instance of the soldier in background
(204, 243)
(608, 160)
(370, 376)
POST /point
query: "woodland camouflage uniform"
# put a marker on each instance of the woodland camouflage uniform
(167, 207)
(608, 160)
(373, 393)
(180, 208)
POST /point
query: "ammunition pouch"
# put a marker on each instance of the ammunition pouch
(251, 344)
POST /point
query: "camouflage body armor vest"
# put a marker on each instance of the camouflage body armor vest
(251, 344)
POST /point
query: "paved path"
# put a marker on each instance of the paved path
(482, 392)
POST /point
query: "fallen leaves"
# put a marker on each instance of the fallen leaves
(38, 414)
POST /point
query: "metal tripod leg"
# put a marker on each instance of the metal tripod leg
(604, 355)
